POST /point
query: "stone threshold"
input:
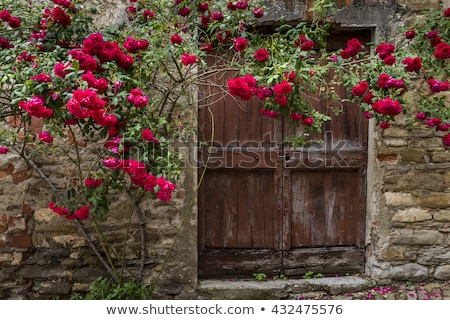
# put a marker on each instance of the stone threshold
(281, 289)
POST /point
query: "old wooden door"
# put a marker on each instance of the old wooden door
(265, 207)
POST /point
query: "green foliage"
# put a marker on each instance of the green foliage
(311, 274)
(260, 276)
(105, 289)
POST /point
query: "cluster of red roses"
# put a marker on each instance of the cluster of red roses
(442, 49)
(58, 15)
(88, 103)
(35, 107)
(95, 46)
(13, 22)
(81, 213)
(246, 87)
(137, 98)
(354, 46)
(389, 86)
(141, 178)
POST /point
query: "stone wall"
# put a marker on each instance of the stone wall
(408, 207)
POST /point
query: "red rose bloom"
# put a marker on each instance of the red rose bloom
(217, 16)
(184, 12)
(82, 213)
(412, 64)
(384, 124)
(304, 43)
(148, 14)
(14, 22)
(368, 98)
(203, 7)
(387, 106)
(354, 46)
(4, 43)
(4, 150)
(147, 134)
(61, 17)
(45, 136)
(281, 100)
(296, 117)
(421, 115)
(238, 87)
(240, 44)
(410, 34)
(360, 88)
(389, 60)
(206, 47)
(258, 13)
(438, 86)
(282, 88)
(93, 183)
(188, 59)
(261, 55)
(442, 51)
(446, 140)
(384, 50)
(308, 121)
(447, 13)
(5, 15)
(176, 39)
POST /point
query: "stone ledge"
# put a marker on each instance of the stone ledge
(280, 289)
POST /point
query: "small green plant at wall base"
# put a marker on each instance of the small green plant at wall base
(311, 274)
(106, 289)
(260, 276)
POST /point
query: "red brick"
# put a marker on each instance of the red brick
(27, 210)
(4, 243)
(3, 173)
(22, 241)
(3, 223)
(387, 157)
(20, 176)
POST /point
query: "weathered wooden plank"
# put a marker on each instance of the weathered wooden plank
(238, 263)
(328, 261)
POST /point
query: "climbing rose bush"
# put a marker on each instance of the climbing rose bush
(123, 85)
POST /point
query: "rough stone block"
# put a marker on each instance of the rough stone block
(414, 155)
(440, 157)
(52, 288)
(395, 143)
(442, 215)
(393, 253)
(395, 132)
(409, 272)
(397, 199)
(417, 237)
(411, 215)
(416, 182)
(433, 256)
(437, 200)
(442, 272)
(422, 133)
(420, 4)
(38, 272)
